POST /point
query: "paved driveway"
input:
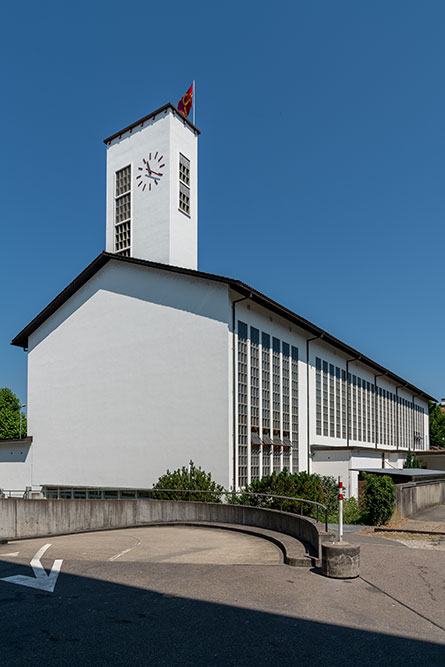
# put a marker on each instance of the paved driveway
(436, 513)
(193, 596)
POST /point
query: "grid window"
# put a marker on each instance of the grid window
(254, 400)
(285, 391)
(277, 459)
(325, 398)
(318, 395)
(123, 208)
(294, 456)
(255, 462)
(184, 198)
(122, 211)
(123, 181)
(343, 404)
(266, 460)
(294, 390)
(359, 409)
(331, 402)
(184, 169)
(276, 383)
(242, 404)
(122, 236)
(337, 403)
(286, 458)
(265, 378)
(354, 407)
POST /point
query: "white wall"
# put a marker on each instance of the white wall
(159, 230)
(130, 377)
(15, 465)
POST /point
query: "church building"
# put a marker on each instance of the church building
(144, 363)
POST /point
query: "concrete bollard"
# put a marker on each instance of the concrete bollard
(340, 560)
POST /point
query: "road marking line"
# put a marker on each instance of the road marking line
(15, 553)
(43, 581)
(125, 551)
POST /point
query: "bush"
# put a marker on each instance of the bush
(378, 499)
(351, 512)
(411, 460)
(295, 485)
(181, 479)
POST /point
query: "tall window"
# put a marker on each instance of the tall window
(343, 404)
(265, 354)
(276, 384)
(254, 402)
(325, 398)
(242, 404)
(318, 395)
(122, 211)
(294, 412)
(184, 184)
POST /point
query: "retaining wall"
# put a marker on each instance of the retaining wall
(415, 497)
(20, 519)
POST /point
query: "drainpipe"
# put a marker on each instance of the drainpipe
(234, 375)
(308, 431)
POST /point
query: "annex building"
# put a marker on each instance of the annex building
(144, 362)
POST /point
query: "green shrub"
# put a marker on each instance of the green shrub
(378, 499)
(411, 460)
(351, 513)
(195, 479)
(295, 485)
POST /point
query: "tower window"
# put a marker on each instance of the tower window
(184, 184)
(184, 169)
(122, 212)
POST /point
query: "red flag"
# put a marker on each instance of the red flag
(186, 102)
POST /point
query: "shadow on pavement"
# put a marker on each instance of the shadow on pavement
(91, 622)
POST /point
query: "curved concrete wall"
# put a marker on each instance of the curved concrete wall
(21, 519)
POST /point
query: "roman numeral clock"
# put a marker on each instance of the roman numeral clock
(150, 171)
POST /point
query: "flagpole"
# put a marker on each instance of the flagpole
(194, 100)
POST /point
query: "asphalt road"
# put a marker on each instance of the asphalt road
(191, 596)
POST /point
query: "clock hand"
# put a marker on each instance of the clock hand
(155, 172)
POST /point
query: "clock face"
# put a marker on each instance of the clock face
(150, 171)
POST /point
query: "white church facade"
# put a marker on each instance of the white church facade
(144, 362)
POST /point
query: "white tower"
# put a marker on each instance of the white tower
(152, 188)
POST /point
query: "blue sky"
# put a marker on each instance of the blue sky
(321, 158)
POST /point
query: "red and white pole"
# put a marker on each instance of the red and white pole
(340, 510)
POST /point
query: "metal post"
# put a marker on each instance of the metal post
(340, 510)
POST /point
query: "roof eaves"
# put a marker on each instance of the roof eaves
(21, 340)
(143, 120)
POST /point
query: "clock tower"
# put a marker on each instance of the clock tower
(152, 203)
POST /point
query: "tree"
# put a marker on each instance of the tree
(437, 426)
(411, 460)
(10, 416)
(378, 498)
(189, 479)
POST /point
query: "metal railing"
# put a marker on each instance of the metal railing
(265, 500)
(269, 498)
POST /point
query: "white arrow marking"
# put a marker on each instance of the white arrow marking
(43, 581)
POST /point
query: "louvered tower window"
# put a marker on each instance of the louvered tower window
(122, 212)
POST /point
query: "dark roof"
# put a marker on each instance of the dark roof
(167, 106)
(21, 340)
(401, 475)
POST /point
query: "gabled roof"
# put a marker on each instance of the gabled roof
(21, 340)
